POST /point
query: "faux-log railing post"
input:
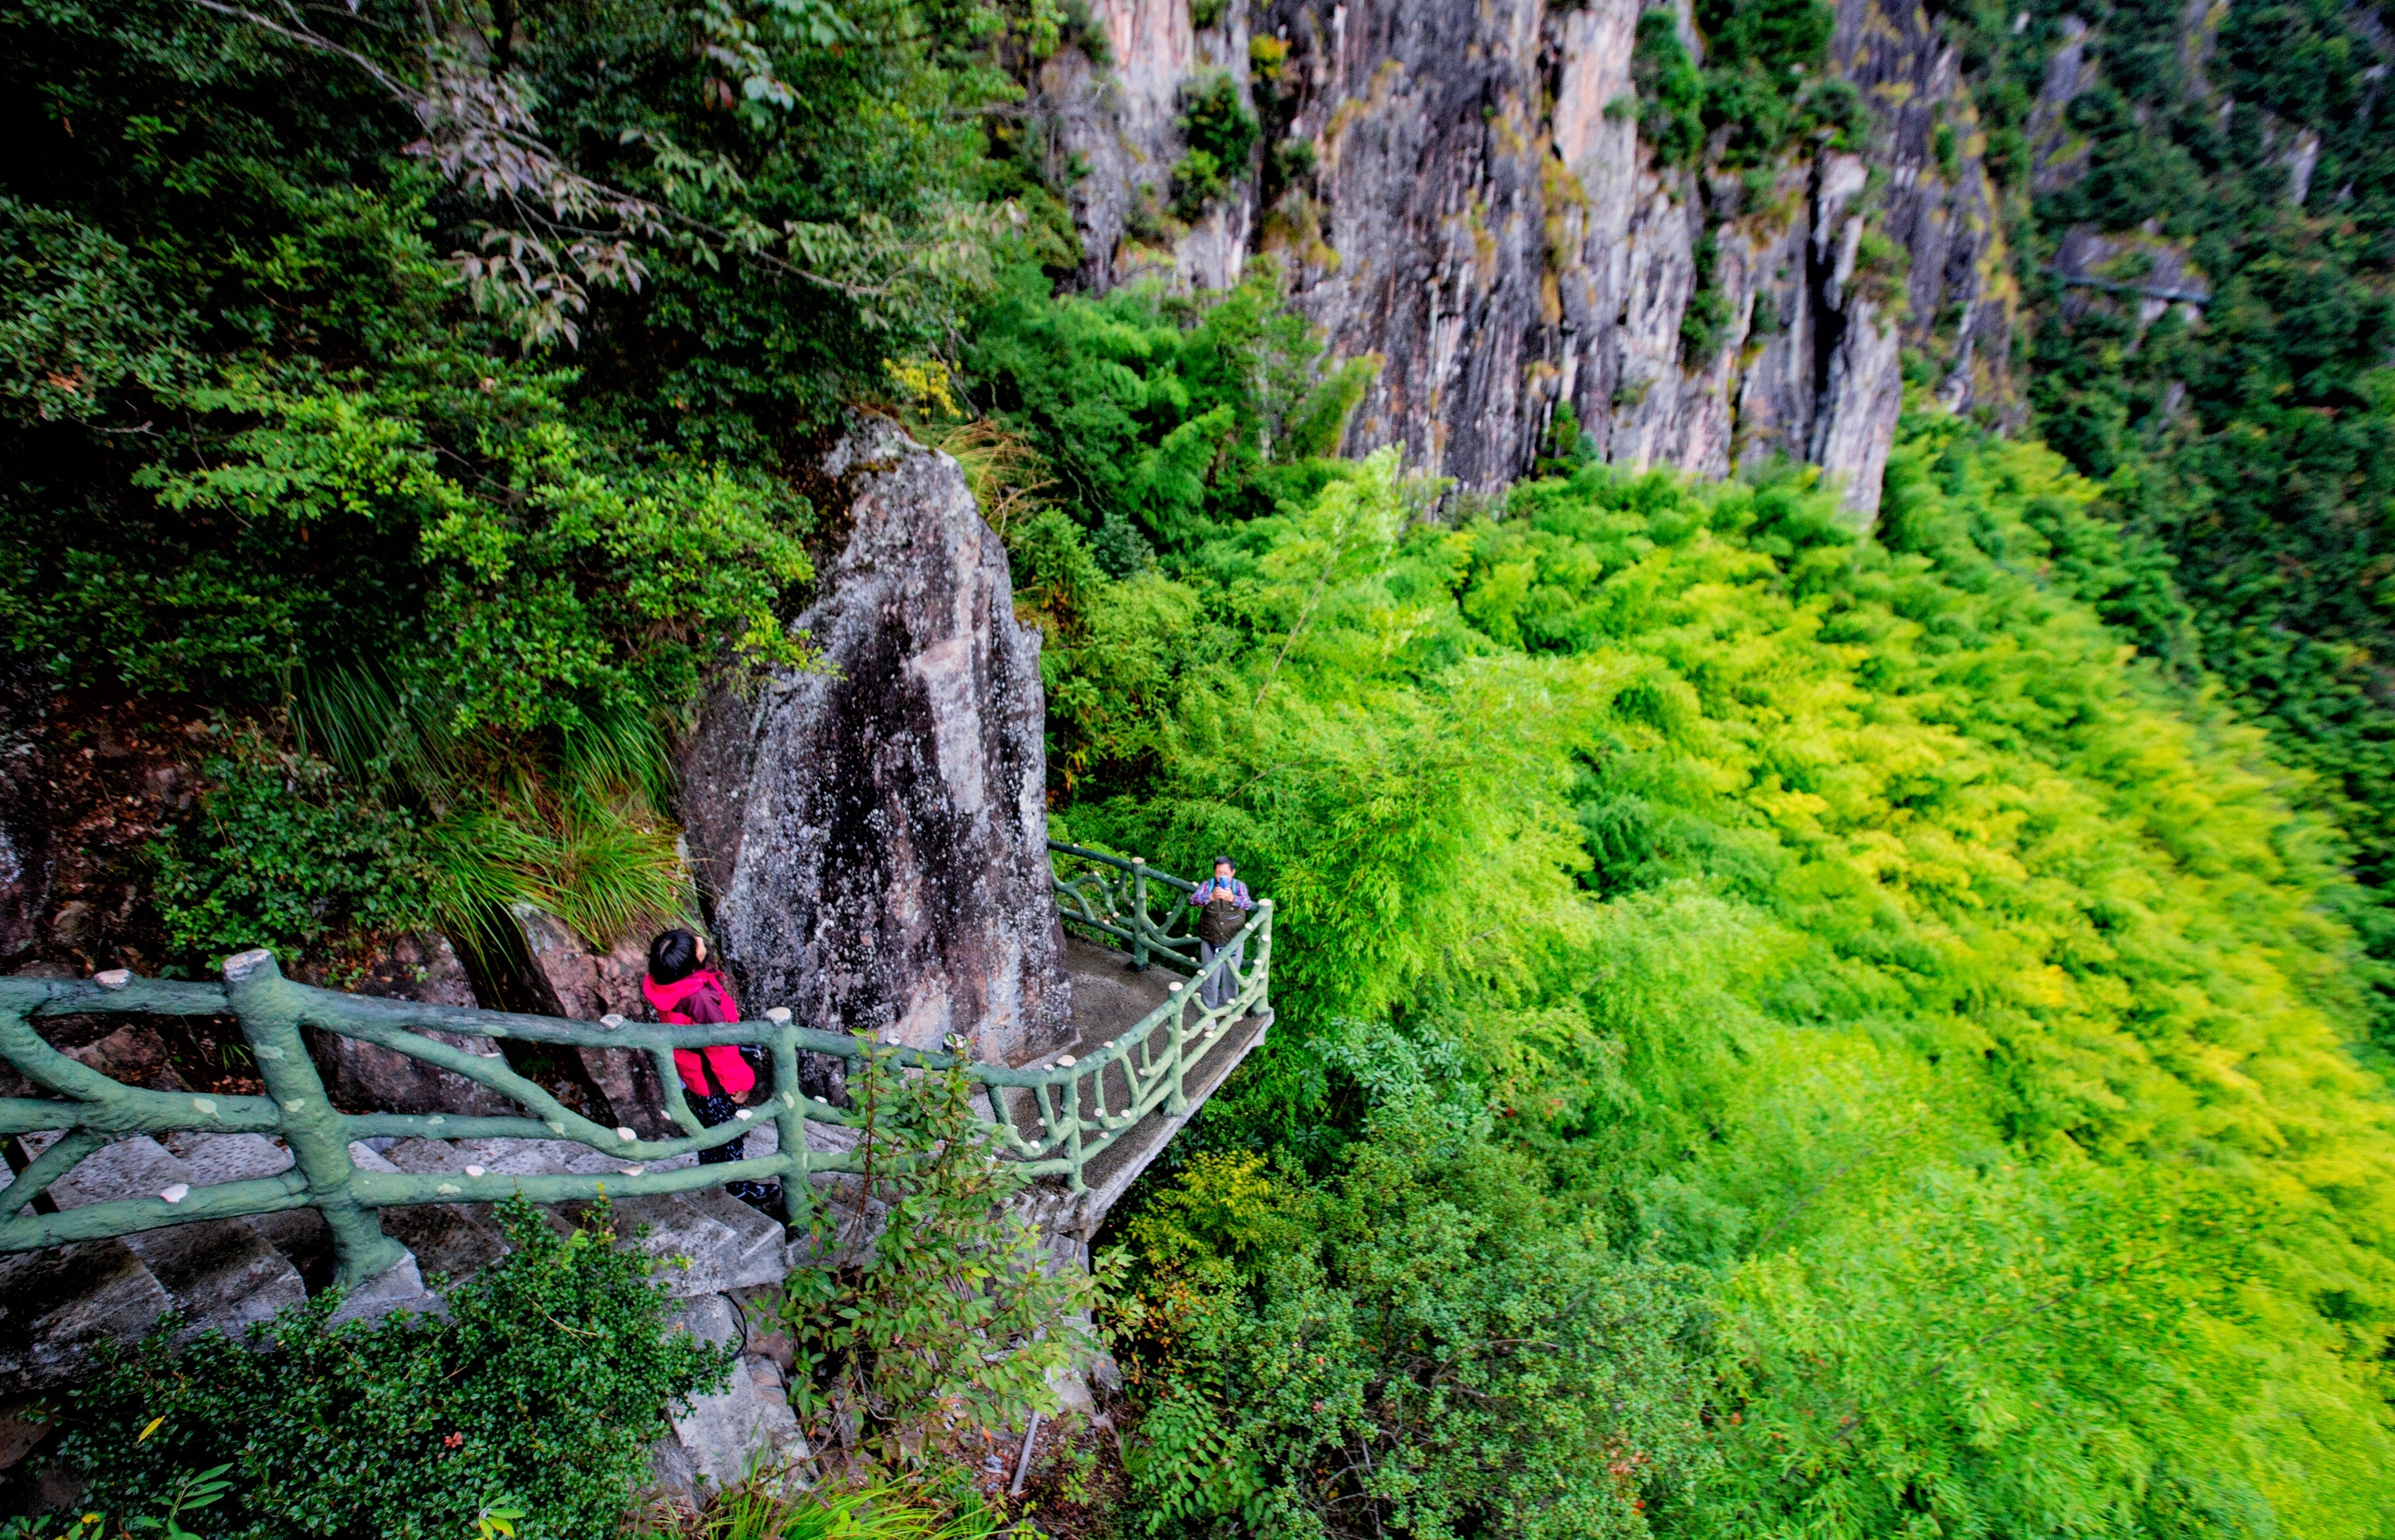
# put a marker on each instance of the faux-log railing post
(270, 1010)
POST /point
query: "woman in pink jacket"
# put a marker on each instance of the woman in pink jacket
(687, 992)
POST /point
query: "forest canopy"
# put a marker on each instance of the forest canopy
(1779, 1031)
(1936, 1015)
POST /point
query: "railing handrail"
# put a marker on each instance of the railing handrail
(90, 1109)
(1123, 863)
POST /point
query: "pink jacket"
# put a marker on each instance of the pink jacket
(703, 997)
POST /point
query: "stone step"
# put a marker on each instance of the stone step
(228, 1274)
(718, 1438)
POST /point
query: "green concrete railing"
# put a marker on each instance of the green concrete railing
(1055, 1121)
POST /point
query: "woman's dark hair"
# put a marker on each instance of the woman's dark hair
(672, 956)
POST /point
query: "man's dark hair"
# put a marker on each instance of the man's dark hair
(1226, 861)
(672, 956)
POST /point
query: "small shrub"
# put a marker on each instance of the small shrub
(285, 854)
(946, 1321)
(1707, 315)
(1197, 184)
(1670, 91)
(538, 1395)
(1214, 120)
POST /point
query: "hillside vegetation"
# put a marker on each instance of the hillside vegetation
(1935, 1020)
(1779, 1033)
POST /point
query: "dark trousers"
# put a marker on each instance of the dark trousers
(713, 1112)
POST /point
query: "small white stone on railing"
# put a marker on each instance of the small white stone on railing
(553, 1126)
(239, 965)
(437, 1117)
(626, 1133)
(203, 1106)
(630, 1170)
(448, 1189)
(295, 1104)
(744, 1114)
(473, 1170)
(1172, 988)
(778, 1015)
(114, 979)
(1065, 1063)
(610, 1021)
(820, 1101)
(176, 1193)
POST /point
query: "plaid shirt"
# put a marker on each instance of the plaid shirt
(1221, 887)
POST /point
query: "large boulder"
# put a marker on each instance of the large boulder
(871, 835)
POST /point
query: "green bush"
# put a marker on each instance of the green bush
(1428, 1343)
(538, 1392)
(1670, 92)
(284, 855)
(945, 1320)
(1222, 136)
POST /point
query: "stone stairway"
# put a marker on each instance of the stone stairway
(715, 1253)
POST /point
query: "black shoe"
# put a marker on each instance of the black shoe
(764, 1197)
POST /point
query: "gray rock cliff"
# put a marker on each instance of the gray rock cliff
(1482, 222)
(870, 837)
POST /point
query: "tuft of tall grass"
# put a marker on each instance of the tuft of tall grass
(772, 1505)
(574, 825)
(1008, 477)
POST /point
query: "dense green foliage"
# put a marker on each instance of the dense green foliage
(1857, 924)
(2250, 444)
(1431, 1336)
(1760, 90)
(1161, 418)
(334, 399)
(538, 1393)
(937, 1316)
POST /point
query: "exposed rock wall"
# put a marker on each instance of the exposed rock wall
(1485, 220)
(871, 837)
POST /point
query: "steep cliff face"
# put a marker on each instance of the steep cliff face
(1482, 215)
(872, 837)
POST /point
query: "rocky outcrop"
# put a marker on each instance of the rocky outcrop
(870, 836)
(364, 1076)
(1483, 217)
(569, 977)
